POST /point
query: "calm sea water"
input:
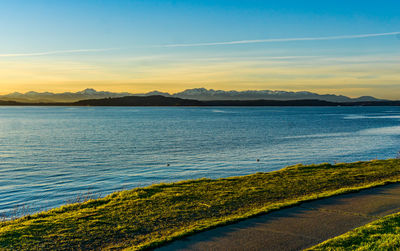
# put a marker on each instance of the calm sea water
(49, 155)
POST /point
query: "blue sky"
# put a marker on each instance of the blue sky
(123, 45)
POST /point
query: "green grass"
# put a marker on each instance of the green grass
(383, 234)
(146, 217)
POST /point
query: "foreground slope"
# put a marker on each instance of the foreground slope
(146, 217)
(300, 226)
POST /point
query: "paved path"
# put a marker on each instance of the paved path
(300, 226)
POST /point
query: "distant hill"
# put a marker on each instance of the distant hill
(159, 100)
(36, 97)
(204, 94)
(201, 94)
(2, 102)
(156, 100)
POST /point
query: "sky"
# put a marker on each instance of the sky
(340, 47)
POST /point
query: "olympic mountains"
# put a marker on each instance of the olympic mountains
(200, 94)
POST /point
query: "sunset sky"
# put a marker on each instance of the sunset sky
(341, 47)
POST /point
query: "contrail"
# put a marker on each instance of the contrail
(273, 40)
(44, 53)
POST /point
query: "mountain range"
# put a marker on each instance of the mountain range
(201, 94)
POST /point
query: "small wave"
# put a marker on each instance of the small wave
(355, 117)
(321, 135)
(389, 117)
(372, 117)
(221, 111)
(391, 130)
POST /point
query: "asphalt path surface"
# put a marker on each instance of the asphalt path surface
(298, 227)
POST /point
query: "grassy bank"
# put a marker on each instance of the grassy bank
(383, 234)
(146, 217)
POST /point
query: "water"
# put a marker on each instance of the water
(48, 155)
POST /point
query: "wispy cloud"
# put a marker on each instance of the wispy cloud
(274, 40)
(45, 53)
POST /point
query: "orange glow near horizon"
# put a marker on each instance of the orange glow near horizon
(351, 76)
